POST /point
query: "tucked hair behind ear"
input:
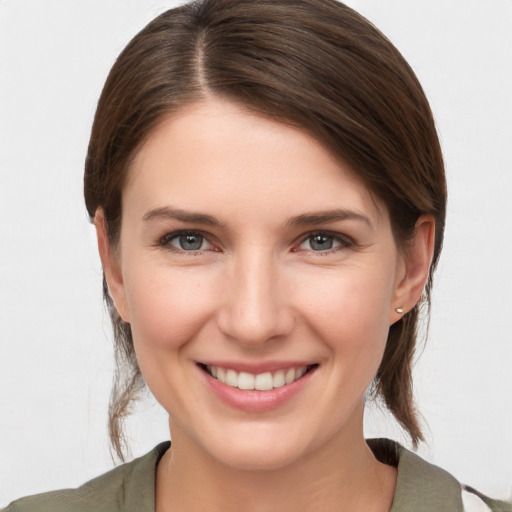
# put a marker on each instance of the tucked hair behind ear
(316, 64)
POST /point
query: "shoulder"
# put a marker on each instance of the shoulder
(475, 501)
(132, 483)
(424, 487)
(420, 486)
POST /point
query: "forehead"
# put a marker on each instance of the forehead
(216, 154)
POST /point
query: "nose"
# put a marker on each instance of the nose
(255, 308)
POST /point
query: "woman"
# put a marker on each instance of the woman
(268, 192)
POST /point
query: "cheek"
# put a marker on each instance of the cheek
(167, 307)
(350, 309)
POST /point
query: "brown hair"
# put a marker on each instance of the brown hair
(314, 63)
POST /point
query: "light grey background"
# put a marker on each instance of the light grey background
(55, 354)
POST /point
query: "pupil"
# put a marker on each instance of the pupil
(191, 242)
(321, 242)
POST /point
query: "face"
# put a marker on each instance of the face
(260, 278)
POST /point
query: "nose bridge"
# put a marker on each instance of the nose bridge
(255, 310)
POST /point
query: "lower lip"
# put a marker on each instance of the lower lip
(253, 400)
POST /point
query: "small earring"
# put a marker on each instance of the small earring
(399, 310)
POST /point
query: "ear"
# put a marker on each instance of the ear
(111, 265)
(415, 268)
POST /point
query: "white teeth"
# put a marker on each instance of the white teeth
(232, 378)
(245, 380)
(261, 382)
(290, 376)
(299, 372)
(278, 379)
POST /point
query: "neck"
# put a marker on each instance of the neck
(332, 478)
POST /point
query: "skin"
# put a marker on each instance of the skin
(257, 291)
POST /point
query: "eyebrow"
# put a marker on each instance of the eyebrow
(165, 212)
(328, 216)
(306, 219)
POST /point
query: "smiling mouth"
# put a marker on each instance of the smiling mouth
(260, 382)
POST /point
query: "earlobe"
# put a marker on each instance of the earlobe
(417, 260)
(111, 265)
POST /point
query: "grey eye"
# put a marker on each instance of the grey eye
(324, 242)
(188, 242)
(321, 242)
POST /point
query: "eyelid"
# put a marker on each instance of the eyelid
(165, 240)
(344, 241)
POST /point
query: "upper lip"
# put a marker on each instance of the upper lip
(257, 368)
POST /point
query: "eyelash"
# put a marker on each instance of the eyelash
(344, 242)
(166, 240)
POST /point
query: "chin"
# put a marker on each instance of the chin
(257, 447)
(251, 457)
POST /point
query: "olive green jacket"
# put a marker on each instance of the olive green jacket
(421, 487)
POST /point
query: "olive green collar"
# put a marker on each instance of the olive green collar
(421, 486)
